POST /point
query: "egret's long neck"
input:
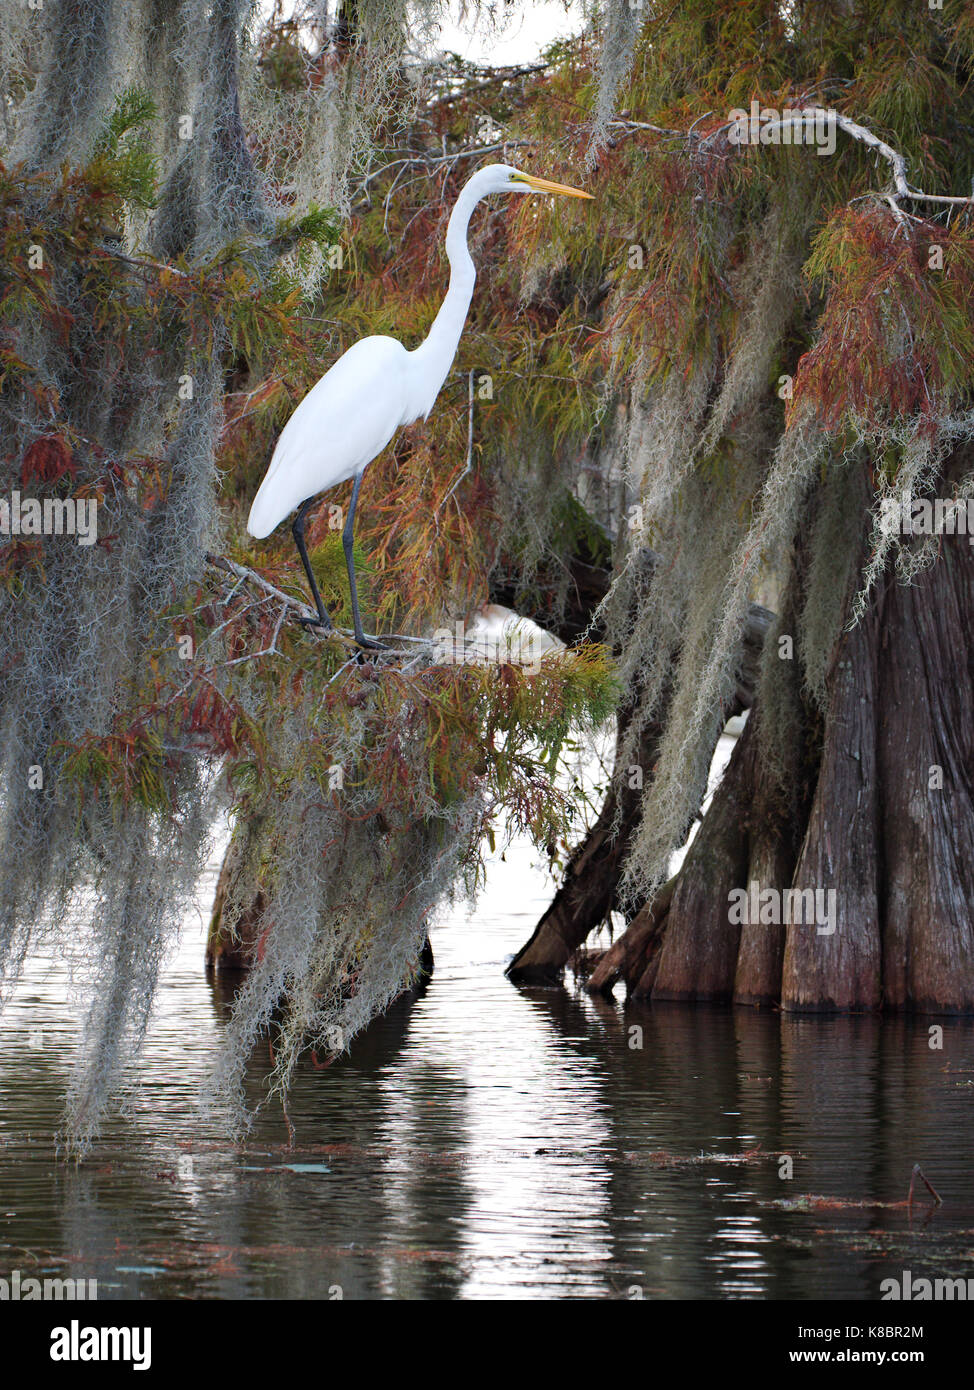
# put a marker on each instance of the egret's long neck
(434, 356)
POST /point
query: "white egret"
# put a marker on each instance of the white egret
(375, 387)
(497, 634)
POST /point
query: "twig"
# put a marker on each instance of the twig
(919, 1173)
(331, 679)
(291, 1133)
(141, 263)
(428, 163)
(469, 463)
(299, 609)
(627, 124)
(221, 562)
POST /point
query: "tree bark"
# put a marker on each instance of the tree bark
(836, 966)
(634, 956)
(588, 892)
(698, 957)
(234, 949)
(757, 979)
(926, 767)
(882, 818)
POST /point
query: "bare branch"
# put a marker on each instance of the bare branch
(893, 157)
(297, 609)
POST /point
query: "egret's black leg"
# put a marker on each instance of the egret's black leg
(348, 540)
(297, 531)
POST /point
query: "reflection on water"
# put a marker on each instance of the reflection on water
(484, 1141)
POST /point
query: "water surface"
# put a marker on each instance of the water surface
(487, 1142)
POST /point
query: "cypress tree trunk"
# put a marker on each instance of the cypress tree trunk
(886, 824)
(840, 969)
(589, 891)
(233, 948)
(925, 755)
(698, 959)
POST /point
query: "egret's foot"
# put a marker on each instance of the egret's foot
(306, 620)
(369, 644)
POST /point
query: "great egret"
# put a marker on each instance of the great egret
(375, 387)
(499, 634)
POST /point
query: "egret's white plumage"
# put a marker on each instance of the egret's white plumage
(375, 387)
(498, 634)
(340, 426)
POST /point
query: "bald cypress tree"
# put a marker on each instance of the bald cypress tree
(787, 346)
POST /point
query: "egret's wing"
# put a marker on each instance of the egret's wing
(340, 426)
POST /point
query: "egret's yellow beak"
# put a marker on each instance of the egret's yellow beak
(547, 186)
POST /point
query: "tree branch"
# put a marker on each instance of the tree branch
(893, 157)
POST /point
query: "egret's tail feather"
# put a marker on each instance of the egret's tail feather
(265, 514)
